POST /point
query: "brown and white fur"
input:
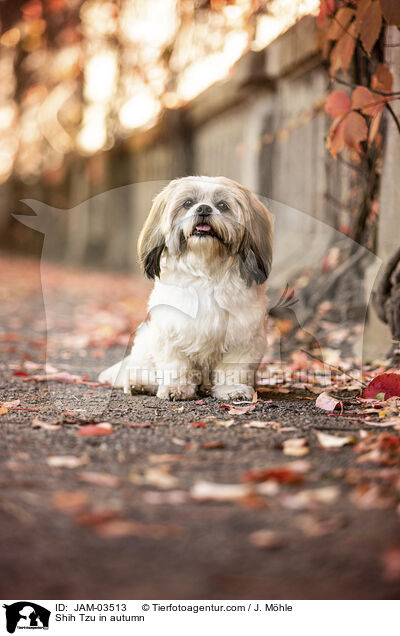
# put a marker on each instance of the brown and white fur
(207, 243)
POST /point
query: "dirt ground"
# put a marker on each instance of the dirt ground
(125, 515)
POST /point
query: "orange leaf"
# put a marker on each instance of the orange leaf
(340, 23)
(103, 428)
(335, 140)
(362, 8)
(362, 99)
(354, 131)
(337, 104)
(391, 11)
(383, 79)
(371, 25)
(343, 51)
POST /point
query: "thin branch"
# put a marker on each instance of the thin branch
(394, 116)
(333, 367)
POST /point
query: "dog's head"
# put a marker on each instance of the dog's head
(214, 217)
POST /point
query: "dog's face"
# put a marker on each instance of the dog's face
(213, 217)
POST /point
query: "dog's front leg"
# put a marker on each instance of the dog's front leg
(176, 378)
(234, 376)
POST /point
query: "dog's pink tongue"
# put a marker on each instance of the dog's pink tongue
(203, 228)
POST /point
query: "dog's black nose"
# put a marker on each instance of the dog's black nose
(204, 210)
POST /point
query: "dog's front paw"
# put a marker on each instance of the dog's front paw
(177, 392)
(232, 392)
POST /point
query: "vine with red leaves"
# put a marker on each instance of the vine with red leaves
(353, 39)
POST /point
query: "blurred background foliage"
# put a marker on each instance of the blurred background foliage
(78, 76)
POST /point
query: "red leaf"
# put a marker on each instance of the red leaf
(387, 383)
(337, 104)
(282, 475)
(327, 9)
(104, 428)
(369, 103)
(354, 131)
(198, 424)
(370, 26)
(391, 11)
(21, 373)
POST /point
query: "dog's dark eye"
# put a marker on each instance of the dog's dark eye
(222, 206)
(188, 204)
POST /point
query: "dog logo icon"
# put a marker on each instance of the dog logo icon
(26, 615)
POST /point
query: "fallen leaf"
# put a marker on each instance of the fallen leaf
(261, 424)
(225, 423)
(137, 424)
(99, 479)
(296, 446)
(160, 478)
(386, 383)
(312, 526)
(309, 499)
(11, 404)
(287, 474)
(165, 457)
(212, 445)
(170, 497)
(198, 424)
(37, 423)
(333, 441)
(118, 528)
(103, 428)
(67, 461)
(70, 501)
(3, 410)
(238, 410)
(267, 539)
(209, 491)
(95, 517)
(328, 403)
(370, 496)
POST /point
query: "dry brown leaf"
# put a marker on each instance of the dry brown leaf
(267, 539)
(160, 478)
(261, 424)
(67, 461)
(37, 423)
(70, 501)
(99, 479)
(309, 499)
(209, 491)
(333, 441)
(296, 447)
(328, 403)
(370, 26)
(114, 529)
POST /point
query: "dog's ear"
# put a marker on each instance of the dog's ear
(151, 241)
(256, 247)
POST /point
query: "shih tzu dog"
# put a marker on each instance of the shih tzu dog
(207, 243)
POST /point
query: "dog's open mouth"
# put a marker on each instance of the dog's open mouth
(203, 230)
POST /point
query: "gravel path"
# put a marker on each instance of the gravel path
(125, 515)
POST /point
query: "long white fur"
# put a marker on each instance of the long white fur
(206, 325)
